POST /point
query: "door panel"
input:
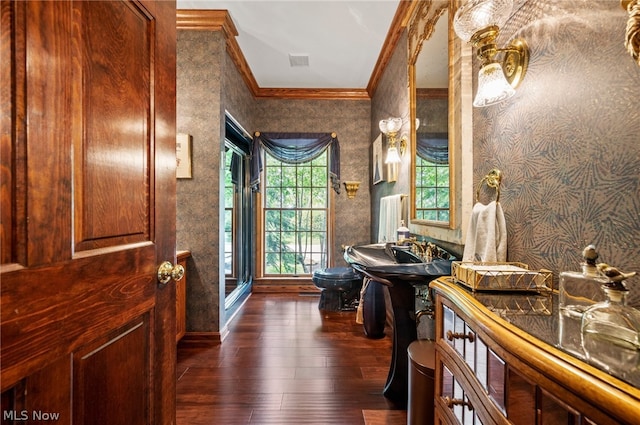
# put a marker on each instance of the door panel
(120, 362)
(111, 143)
(88, 210)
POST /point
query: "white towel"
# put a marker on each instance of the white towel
(390, 216)
(487, 234)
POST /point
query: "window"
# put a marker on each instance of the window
(230, 191)
(432, 190)
(295, 216)
(238, 244)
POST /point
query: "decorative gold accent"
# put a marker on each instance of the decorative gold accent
(352, 188)
(334, 135)
(423, 24)
(493, 180)
(402, 148)
(515, 62)
(515, 56)
(168, 271)
(632, 35)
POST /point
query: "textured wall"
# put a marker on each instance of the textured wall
(568, 143)
(349, 119)
(391, 99)
(200, 60)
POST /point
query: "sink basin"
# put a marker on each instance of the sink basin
(386, 263)
(400, 270)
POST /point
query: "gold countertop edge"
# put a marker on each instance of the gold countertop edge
(543, 357)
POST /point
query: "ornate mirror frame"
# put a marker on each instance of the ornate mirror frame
(421, 27)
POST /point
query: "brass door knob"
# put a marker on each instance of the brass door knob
(168, 271)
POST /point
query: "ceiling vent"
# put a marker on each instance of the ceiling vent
(298, 60)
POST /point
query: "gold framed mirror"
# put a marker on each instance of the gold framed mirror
(433, 119)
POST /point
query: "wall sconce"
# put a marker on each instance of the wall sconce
(479, 22)
(352, 188)
(390, 128)
(632, 34)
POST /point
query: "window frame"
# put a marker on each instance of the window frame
(261, 230)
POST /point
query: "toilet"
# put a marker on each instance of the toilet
(339, 286)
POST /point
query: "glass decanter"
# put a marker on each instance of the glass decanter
(580, 290)
(611, 329)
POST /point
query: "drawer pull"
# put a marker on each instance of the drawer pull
(450, 402)
(457, 335)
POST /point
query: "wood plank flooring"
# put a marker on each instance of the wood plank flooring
(286, 362)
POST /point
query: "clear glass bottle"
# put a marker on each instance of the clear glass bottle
(580, 290)
(611, 331)
(577, 292)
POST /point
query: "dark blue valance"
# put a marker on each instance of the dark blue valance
(433, 147)
(295, 148)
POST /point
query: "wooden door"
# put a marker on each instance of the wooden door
(88, 211)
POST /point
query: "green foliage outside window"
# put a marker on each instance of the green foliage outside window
(432, 190)
(295, 216)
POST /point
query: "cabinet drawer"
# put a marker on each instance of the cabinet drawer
(454, 403)
(466, 343)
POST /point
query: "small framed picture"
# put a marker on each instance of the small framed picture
(378, 160)
(183, 156)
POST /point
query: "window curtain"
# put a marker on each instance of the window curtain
(234, 168)
(295, 148)
(433, 147)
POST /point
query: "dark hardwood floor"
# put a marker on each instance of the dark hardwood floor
(286, 362)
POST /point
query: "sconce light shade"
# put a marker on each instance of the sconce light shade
(479, 22)
(390, 125)
(493, 86)
(392, 156)
(479, 14)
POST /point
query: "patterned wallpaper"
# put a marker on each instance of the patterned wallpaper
(391, 99)
(200, 61)
(568, 143)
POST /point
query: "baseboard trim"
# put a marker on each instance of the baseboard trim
(284, 288)
(201, 339)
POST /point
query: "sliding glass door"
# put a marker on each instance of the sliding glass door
(238, 246)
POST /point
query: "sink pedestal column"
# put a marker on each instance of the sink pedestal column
(403, 301)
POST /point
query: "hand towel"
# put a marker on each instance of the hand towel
(487, 234)
(390, 216)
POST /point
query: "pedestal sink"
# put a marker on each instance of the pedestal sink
(400, 270)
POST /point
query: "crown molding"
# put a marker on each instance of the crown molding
(399, 23)
(220, 20)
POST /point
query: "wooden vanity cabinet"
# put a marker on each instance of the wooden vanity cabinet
(489, 371)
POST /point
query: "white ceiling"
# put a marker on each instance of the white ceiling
(341, 38)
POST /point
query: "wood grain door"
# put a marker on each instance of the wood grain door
(88, 211)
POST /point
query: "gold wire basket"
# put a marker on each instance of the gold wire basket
(517, 304)
(502, 276)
